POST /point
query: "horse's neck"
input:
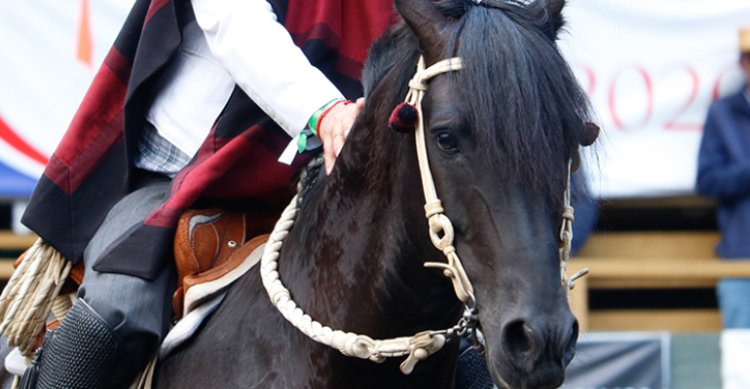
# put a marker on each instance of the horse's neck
(354, 261)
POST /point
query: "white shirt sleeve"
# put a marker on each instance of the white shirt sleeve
(259, 54)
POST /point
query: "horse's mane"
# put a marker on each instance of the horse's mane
(534, 104)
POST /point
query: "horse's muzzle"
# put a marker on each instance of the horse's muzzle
(534, 353)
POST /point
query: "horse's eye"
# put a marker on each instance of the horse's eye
(447, 142)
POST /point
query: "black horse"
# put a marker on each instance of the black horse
(500, 134)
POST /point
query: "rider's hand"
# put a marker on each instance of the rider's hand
(334, 128)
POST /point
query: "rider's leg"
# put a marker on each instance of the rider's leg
(119, 320)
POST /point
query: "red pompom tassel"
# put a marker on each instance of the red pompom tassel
(403, 118)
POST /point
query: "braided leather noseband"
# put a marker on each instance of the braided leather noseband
(426, 343)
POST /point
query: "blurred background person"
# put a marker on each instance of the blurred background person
(724, 174)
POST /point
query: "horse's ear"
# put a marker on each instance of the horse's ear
(555, 19)
(589, 134)
(427, 23)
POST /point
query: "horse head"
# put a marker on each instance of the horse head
(501, 131)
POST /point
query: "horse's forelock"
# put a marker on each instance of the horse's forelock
(531, 115)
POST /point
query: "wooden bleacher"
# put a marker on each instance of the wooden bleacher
(12, 243)
(654, 260)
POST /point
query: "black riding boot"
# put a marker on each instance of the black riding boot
(80, 354)
(471, 369)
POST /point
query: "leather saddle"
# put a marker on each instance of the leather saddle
(208, 244)
(211, 249)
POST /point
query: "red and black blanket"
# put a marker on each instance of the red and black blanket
(91, 171)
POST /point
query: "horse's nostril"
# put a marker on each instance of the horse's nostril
(516, 337)
(523, 343)
(570, 347)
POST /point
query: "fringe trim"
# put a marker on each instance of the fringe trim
(32, 294)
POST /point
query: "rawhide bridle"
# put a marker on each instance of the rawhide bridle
(421, 345)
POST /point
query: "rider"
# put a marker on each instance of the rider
(196, 101)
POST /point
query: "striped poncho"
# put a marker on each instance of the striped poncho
(91, 169)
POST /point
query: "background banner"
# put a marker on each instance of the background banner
(651, 69)
(51, 50)
(620, 360)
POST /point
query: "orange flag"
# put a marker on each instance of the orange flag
(85, 44)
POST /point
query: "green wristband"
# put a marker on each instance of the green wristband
(313, 122)
(301, 142)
